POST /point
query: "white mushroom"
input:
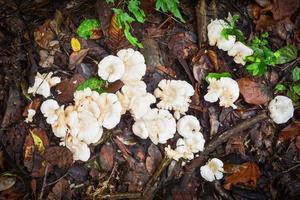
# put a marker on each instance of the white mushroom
(43, 84)
(111, 68)
(49, 108)
(226, 44)
(281, 109)
(158, 125)
(187, 126)
(30, 115)
(140, 105)
(134, 62)
(213, 170)
(60, 127)
(240, 51)
(79, 149)
(226, 89)
(175, 95)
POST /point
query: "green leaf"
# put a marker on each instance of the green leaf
(286, 54)
(296, 74)
(86, 27)
(169, 6)
(94, 84)
(293, 96)
(296, 89)
(110, 1)
(134, 8)
(280, 87)
(217, 76)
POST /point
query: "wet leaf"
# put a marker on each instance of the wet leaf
(7, 182)
(296, 74)
(245, 174)
(106, 157)
(253, 92)
(93, 83)
(75, 44)
(60, 191)
(59, 156)
(286, 54)
(289, 132)
(77, 57)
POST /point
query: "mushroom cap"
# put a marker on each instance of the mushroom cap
(110, 110)
(212, 170)
(226, 44)
(140, 105)
(214, 29)
(30, 115)
(48, 108)
(134, 63)
(183, 149)
(187, 126)
(195, 143)
(174, 94)
(111, 68)
(281, 109)
(59, 127)
(240, 51)
(79, 149)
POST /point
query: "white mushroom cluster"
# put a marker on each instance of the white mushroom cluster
(281, 109)
(43, 84)
(213, 170)
(174, 95)
(81, 124)
(225, 89)
(238, 50)
(192, 141)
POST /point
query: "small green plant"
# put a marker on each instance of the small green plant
(169, 6)
(87, 27)
(233, 30)
(94, 84)
(217, 75)
(134, 8)
(291, 89)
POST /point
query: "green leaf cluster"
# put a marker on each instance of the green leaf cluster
(231, 29)
(134, 8)
(110, 1)
(87, 26)
(94, 84)
(124, 21)
(169, 6)
(217, 76)
(286, 54)
(292, 89)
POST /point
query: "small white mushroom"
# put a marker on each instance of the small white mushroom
(226, 89)
(240, 51)
(213, 170)
(43, 84)
(140, 105)
(59, 127)
(187, 126)
(49, 108)
(226, 44)
(79, 149)
(111, 68)
(30, 115)
(281, 109)
(174, 95)
(134, 63)
(158, 125)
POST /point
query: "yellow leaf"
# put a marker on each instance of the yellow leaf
(75, 44)
(38, 142)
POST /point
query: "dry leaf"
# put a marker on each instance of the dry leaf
(253, 92)
(34, 104)
(106, 157)
(60, 191)
(59, 156)
(289, 132)
(245, 174)
(167, 70)
(44, 35)
(154, 158)
(286, 8)
(77, 57)
(7, 182)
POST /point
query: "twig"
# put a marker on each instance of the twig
(44, 182)
(187, 70)
(290, 169)
(223, 193)
(137, 195)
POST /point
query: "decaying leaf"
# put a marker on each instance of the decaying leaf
(253, 92)
(44, 35)
(75, 44)
(59, 156)
(245, 174)
(60, 191)
(106, 157)
(154, 158)
(77, 57)
(289, 132)
(34, 105)
(6, 182)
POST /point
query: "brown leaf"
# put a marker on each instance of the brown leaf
(253, 92)
(200, 69)
(106, 157)
(34, 104)
(289, 132)
(264, 23)
(182, 45)
(154, 158)
(245, 174)
(286, 8)
(76, 57)
(167, 70)
(114, 87)
(7, 182)
(67, 87)
(59, 156)
(114, 36)
(60, 191)
(44, 35)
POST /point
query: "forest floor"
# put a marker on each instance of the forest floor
(261, 158)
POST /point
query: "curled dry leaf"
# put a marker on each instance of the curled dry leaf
(289, 132)
(44, 35)
(245, 174)
(253, 92)
(106, 157)
(59, 156)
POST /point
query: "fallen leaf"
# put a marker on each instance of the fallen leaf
(286, 8)
(114, 87)
(44, 35)
(7, 182)
(253, 92)
(289, 132)
(154, 158)
(34, 105)
(11, 194)
(106, 157)
(67, 87)
(167, 70)
(75, 44)
(60, 191)
(264, 23)
(200, 69)
(59, 156)
(76, 57)
(183, 45)
(245, 174)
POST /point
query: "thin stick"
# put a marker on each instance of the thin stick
(44, 182)
(122, 196)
